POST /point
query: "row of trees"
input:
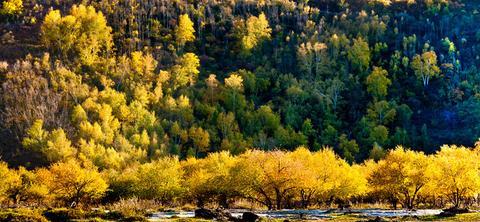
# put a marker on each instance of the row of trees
(275, 180)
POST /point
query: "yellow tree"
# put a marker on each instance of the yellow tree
(425, 66)
(235, 83)
(200, 139)
(9, 182)
(30, 190)
(359, 54)
(186, 71)
(83, 34)
(184, 32)
(455, 173)
(212, 84)
(54, 145)
(336, 180)
(73, 183)
(256, 30)
(378, 82)
(210, 178)
(159, 180)
(401, 175)
(269, 178)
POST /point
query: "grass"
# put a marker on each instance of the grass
(458, 217)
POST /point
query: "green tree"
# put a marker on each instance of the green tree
(200, 139)
(378, 83)
(359, 54)
(348, 148)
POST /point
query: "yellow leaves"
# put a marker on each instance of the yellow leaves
(209, 177)
(10, 180)
(91, 131)
(234, 82)
(184, 32)
(425, 66)
(200, 139)
(143, 64)
(403, 174)
(320, 175)
(141, 140)
(59, 147)
(257, 29)
(70, 182)
(359, 54)
(54, 145)
(186, 71)
(455, 173)
(159, 179)
(84, 34)
(12, 7)
(105, 158)
(183, 102)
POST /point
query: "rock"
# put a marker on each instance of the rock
(376, 219)
(205, 214)
(249, 217)
(450, 212)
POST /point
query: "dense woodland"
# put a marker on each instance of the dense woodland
(152, 87)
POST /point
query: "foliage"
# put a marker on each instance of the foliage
(73, 184)
(83, 34)
(129, 89)
(402, 175)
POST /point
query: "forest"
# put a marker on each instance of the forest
(280, 103)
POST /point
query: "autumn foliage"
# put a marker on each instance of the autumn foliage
(274, 180)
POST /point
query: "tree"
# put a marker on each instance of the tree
(200, 139)
(359, 55)
(184, 32)
(10, 181)
(212, 84)
(266, 177)
(72, 183)
(382, 112)
(379, 134)
(53, 145)
(378, 83)
(348, 148)
(425, 66)
(186, 71)
(83, 34)
(235, 83)
(455, 174)
(401, 175)
(25, 96)
(159, 180)
(209, 178)
(257, 29)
